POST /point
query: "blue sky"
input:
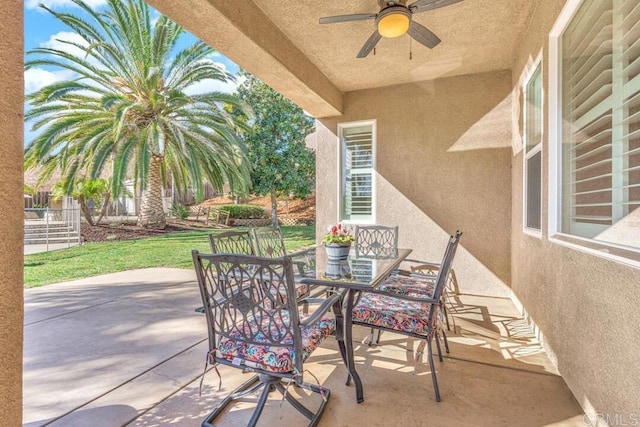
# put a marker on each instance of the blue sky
(42, 29)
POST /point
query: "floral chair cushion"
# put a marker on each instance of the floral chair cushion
(273, 359)
(413, 286)
(393, 313)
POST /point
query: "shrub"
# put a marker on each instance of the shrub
(179, 211)
(243, 211)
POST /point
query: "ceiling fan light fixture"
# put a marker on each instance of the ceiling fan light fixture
(393, 21)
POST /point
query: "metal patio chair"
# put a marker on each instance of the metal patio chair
(414, 316)
(231, 242)
(376, 241)
(419, 280)
(268, 243)
(251, 329)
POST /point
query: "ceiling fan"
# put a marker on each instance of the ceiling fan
(394, 19)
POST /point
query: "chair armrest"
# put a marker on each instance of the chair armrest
(415, 270)
(320, 311)
(404, 297)
(302, 269)
(419, 261)
(408, 273)
(424, 276)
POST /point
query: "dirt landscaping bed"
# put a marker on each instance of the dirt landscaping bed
(116, 231)
(290, 212)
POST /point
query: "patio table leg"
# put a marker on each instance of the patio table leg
(351, 363)
(337, 311)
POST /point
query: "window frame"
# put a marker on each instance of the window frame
(611, 251)
(527, 76)
(341, 155)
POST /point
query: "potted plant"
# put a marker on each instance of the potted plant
(338, 242)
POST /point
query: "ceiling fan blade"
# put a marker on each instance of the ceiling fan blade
(423, 35)
(426, 5)
(369, 44)
(347, 18)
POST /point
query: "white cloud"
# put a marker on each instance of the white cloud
(56, 41)
(211, 85)
(52, 4)
(220, 65)
(37, 78)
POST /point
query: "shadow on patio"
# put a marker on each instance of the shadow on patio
(127, 349)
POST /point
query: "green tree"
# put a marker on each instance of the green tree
(86, 191)
(281, 162)
(128, 107)
(29, 191)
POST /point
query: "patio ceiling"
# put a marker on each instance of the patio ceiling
(477, 36)
(282, 43)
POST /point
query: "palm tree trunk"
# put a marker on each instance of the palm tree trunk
(274, 209)
(105, 206)
(151, 209)
(85, 211)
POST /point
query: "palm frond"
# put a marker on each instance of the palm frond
(126, 102)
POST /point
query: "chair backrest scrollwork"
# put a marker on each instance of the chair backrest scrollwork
(268, 242)
(241, 298)
(231, 242)
(376, 241)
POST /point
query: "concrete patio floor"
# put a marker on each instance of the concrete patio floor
(128, 349)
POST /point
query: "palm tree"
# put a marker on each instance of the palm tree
(126, 108)
(86, 191)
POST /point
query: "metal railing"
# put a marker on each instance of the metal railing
(66, 218)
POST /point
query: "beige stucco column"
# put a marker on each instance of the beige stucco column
(11, 216)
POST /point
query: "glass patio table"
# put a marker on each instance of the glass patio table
(356, 274)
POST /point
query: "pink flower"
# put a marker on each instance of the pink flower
(338, 233)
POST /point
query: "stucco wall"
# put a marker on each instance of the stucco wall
(11, 88)
(443, 163)
(585, 306)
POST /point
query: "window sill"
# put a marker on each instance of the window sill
(358, 221)
(620, 255)
(532, 232)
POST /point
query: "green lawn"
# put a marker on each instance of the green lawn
(169, 250)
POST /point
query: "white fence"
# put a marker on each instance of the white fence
(46, 226)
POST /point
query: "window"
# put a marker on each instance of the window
(597, 49)
(362, 269)
(533, 151)
(356, 177)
